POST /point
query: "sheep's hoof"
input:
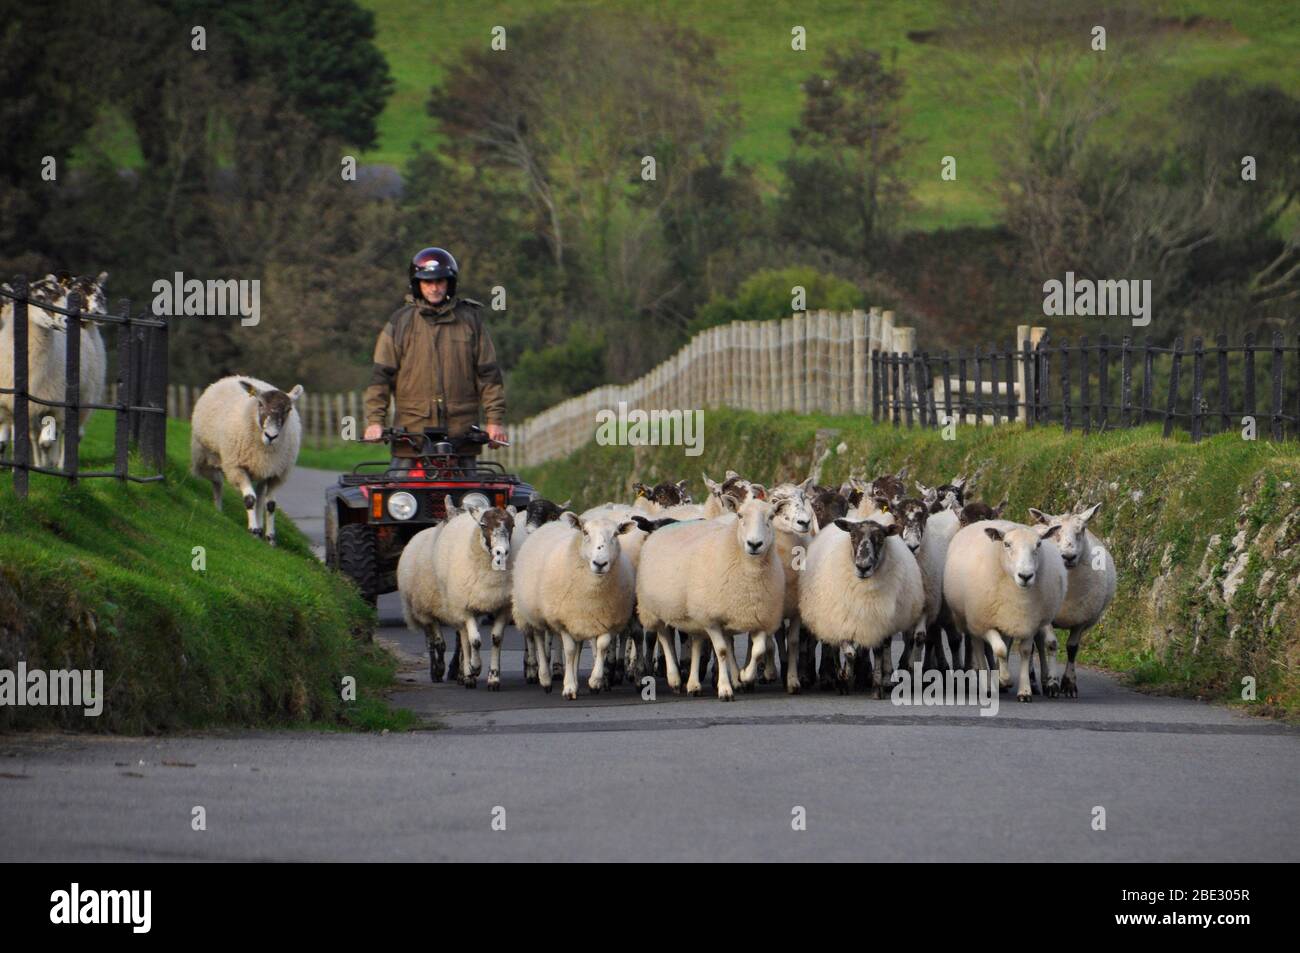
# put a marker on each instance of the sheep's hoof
(1026, 697)
(435, 673)
(571, 694)
(695, 692)
(678, 689)
(726, 696)
(530, 679)
(547, 689)
(494, 681)
(470, 681)
(793, 688)
(557, 671)
(880, 692)
(256, 532)
(270, 538)
(1053, 688)
(1069, 687)
(661, 668)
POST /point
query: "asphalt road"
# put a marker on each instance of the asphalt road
(618, 777)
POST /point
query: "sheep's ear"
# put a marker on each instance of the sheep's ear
(626, 525)
(997, 510)
(731, 475)
(511, 510)
(101, 279)
(295, 393)
(844, 524)
(1038, 515)
(640, 489)
(681, 486)
(249, 389)
(451, 507)
(993, 533)
(1090, 512)
(648, 525)
(570, 517)
(959, 483)
(729, 502)
(1052, 531)
(565, 504)
(882, 502)
(712, 487)
(806, 485)
(893, 529)
(758, 491)
(902, 473)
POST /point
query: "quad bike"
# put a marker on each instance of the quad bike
(372, 512)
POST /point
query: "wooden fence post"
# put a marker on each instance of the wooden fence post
(1198, 380)
(1249, 409)
(1173, 388)
(1065, 387)
(858, 322)
(1225, 422)
(1085, 382)
(1103, 382)
(1277, 385)
(1126, 381)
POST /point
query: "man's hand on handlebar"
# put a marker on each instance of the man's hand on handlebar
(374, 433)
(497, 435)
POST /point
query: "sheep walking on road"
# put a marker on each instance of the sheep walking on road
(248, 432)
(1004, 582)
(713, 578)
(1090, 577)
(860, 586)
(418, 588)
(573, 578)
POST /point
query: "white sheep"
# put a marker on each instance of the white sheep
(247, 431)
(929, 546)
(1002, 581)
(94, 355)
(860, 586)
(418, 589)
(537, 513)
(472, 567)
(46, 371)
(713, 577)
(572, 577)
(1090, 576)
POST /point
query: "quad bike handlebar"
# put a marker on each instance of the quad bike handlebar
(426, 442)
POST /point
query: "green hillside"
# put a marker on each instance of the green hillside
(951, 114)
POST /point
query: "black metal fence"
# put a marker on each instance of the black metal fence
(1098, 385)
(139, 400)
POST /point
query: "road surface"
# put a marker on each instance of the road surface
(520, 775)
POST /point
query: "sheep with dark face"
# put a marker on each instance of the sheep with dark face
(793, 522)
(248, 432)
(977, 511)
(653, 499)
(947, 496)
(860, 585)
(1090, 576)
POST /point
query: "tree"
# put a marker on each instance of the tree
(849, 145)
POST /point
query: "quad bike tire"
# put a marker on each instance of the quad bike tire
(358, 560)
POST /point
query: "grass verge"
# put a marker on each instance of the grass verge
(193, 622)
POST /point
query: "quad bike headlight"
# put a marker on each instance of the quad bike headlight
(401, 506)
(475, 501)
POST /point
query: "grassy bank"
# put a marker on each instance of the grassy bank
(1206, 537)
(105, 576)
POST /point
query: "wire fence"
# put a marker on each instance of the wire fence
(136, 397)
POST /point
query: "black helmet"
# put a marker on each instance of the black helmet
(430, 263)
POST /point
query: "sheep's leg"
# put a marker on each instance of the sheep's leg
(768, 667)
(697, 649)
(883, 653)
(269, 492)
(457, 663)
(631, 658)
(826, 669)
(954, 647)
(934, 657)
(1069, 686)
(4, 437)
(793, 652)
(758, 649)
(723, 651)
(886, 650)
(555, 652)
(807, 659)
(470, 642)
(436, 646)
(259, 490)
(244, 483)
(993, 639)
(668, 654)
(216, 489)
(614, 661)
(571, 648)
(475, 646)
(1026, 648)
(686, 646)
(732, 668)
(848, 658)
(539, 639)
(597, 681)
(494, 667)
(530, 659)
(1045, 637)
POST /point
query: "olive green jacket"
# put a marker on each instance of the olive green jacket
(438, 364)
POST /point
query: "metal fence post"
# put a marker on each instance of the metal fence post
(22, 421)
(122, 416)
(72, 390)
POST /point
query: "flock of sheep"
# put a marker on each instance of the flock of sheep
(47, 375)
(795, 567)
